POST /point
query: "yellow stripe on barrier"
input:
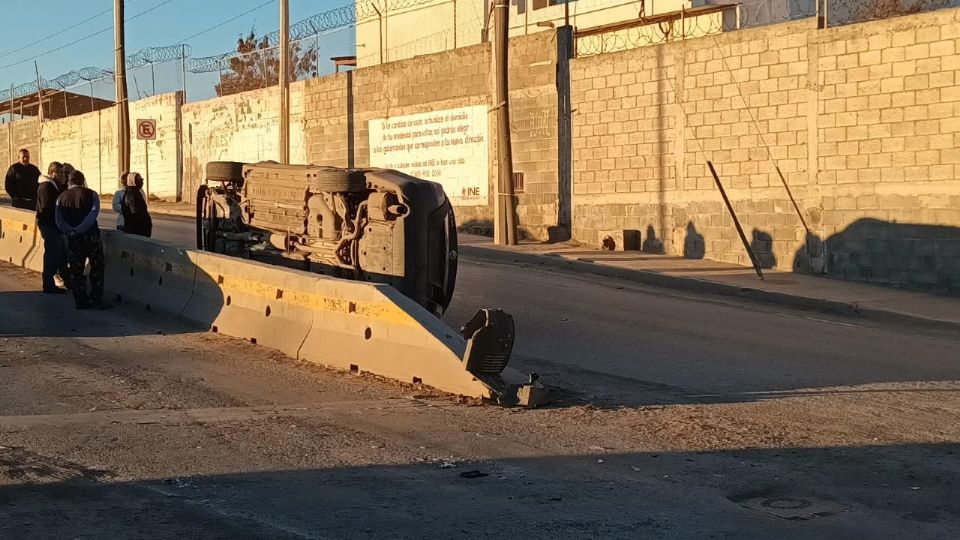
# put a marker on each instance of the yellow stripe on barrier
(380, 311)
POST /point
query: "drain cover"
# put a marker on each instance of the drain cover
(794, 508)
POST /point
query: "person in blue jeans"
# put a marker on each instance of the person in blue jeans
(54, 248)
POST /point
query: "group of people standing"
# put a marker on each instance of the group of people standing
(67, 213)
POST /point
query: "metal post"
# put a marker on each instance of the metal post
(146, 167)
(123, 106)
(99, 140)
(39, 93)
(736, 222)
(183, 71)
(316, 48)
(66, 105)
(504, 200)
(379, 29)
(10, 128)
(683, 23)
(284, 81)
(153, 80)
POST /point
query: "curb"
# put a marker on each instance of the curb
(174, 213)
(833, 307)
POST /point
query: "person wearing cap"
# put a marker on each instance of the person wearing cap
(77, 211)
(136, 217)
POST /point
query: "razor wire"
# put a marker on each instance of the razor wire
(842, 12)
(743, 14)
(334, 19)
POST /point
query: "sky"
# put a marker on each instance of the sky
(168, 23)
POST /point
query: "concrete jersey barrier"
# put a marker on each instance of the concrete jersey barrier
(20, 240)
(350, 325)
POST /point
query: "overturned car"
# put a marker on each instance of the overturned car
(374, 225)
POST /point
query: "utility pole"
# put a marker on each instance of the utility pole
(123, 106)
(284, 81)
(39, 95)
(505, 223)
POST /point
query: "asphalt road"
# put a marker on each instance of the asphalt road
(678, 417)
(624, 343)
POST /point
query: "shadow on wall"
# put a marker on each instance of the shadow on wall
(923, 257)
(693, 244)
(652, 244)
(762, 245)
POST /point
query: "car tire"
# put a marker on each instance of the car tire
(224, 171)
(338, 181)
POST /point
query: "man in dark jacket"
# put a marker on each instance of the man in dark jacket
(54, 250)
(133, 207)
(77, 211)
(21, 182)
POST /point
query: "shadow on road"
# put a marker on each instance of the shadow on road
(33, 314)
(895, 491)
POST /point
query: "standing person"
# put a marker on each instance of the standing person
(77, 211)
(54, 250)
(136, 217)
(67, 171)
(118, 200)
(21, 181)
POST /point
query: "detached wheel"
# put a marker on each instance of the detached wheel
(338, 180)
(224, 171)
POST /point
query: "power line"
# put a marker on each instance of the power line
(318, 24)
(228, 21)
(32, 43)
(138, 15)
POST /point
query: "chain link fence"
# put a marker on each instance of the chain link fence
(718, 16)
(841, 12)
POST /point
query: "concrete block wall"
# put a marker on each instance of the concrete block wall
(17, 135)
(889, 149)
(338, 109)
(164, 152)
(88, 142)
(861, 120)
(240, 127)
